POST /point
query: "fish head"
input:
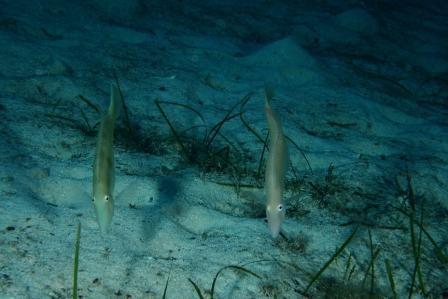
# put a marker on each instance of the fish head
(104, 208)
(275, 214)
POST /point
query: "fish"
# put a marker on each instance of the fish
(104, 164)
(276, 168)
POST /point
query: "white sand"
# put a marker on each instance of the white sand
(363, 89)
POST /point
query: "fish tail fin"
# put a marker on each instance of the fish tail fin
(115, 101)
(268, 95)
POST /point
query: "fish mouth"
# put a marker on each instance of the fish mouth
(274, 222)
(104, 225)
(274, 226)
(104, 213)
(275, 230)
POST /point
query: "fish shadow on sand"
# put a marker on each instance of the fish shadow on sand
(168, 191)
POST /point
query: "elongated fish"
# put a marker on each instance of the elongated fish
(275, 169)
(103, 167)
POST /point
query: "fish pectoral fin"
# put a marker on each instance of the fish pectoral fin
(256, 201)
(252, 196)
(132, 192)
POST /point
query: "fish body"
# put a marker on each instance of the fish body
(276, 167)
(104, 166)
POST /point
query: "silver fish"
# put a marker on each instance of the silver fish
(103, 167)
(275, 169)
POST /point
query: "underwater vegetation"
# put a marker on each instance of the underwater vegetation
(76, 262)
(214, 153)
(343, 286)
(356, 280)
(362, 100)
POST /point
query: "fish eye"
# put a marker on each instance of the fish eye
(106, 197)
(280, 208)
